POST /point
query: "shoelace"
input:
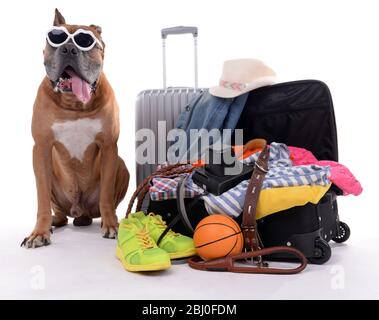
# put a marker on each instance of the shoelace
(144, 237)
(162, 224)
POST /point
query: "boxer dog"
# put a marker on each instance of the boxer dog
(75, 127)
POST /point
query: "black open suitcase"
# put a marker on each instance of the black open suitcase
(299, 114)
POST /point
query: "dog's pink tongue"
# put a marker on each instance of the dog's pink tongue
(80, 88)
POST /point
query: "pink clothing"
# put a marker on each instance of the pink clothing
(340, 175)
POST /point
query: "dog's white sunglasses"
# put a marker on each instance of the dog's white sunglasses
(83, 39)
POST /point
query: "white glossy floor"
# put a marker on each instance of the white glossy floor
(80, 264)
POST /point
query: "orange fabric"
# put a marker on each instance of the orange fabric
(199, 163)
(238, 150)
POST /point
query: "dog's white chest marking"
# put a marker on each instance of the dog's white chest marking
(77, 135)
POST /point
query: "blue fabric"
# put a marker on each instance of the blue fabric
(209, 112)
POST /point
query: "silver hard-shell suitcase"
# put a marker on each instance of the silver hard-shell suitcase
(162, 105)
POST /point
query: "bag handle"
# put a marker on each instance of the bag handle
(174, 31)
(181, 206)
(182, 210)
(179, 30)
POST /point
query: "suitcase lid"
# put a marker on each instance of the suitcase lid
(297, 113)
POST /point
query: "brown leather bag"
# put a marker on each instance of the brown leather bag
(251, 261)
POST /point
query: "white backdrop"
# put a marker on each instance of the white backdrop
(334, 41)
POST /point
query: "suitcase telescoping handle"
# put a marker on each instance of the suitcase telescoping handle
(179, 30)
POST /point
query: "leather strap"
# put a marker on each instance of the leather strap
(229, 263)
(249, 224)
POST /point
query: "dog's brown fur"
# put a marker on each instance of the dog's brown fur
(84, 189)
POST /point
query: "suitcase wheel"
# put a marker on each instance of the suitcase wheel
(343, 233)
(322, 252)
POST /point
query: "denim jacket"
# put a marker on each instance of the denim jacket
(210, 112)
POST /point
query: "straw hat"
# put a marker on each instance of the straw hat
(242, 75)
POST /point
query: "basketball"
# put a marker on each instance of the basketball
(217, 236)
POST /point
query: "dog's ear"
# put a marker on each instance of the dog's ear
(97, 28)
(58, 19)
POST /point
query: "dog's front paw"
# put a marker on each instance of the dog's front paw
(109, 228)
(38, 238)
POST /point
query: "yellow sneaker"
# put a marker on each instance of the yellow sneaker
(175, 244)
(136, 249)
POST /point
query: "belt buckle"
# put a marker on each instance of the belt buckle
(260, 167)
(258, 260)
